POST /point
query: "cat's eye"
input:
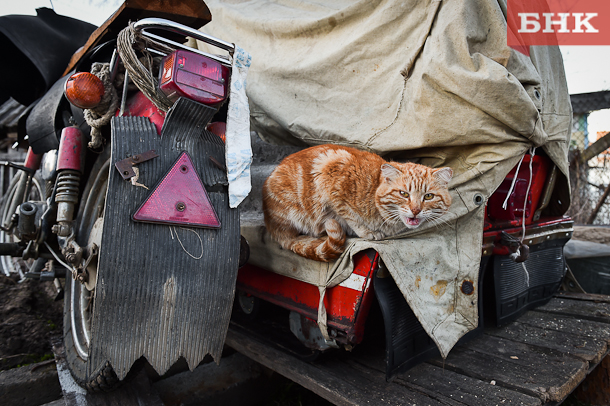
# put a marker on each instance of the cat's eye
(428, 196)
(404, 194)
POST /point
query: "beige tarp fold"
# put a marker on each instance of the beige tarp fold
(431, 81)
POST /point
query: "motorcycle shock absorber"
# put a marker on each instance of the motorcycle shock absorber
(31, 164)
(69, 169)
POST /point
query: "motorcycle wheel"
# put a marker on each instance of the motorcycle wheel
(16, 265)
(78, 299)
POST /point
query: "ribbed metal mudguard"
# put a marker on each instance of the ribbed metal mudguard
(152, 298)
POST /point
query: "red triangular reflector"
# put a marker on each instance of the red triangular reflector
(179, 199)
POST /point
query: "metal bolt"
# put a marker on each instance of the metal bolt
(184, 169)
(180, 206)
(125, 173)
(136, 158)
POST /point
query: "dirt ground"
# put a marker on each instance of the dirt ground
(29, 316)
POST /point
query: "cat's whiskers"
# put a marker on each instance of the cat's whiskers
(439, 219)
(395, 217)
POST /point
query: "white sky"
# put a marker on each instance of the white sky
(587, 67)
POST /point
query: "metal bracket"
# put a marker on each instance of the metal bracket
(519, 251)
(16, 166)
(125, 167)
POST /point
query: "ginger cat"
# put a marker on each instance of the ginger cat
(318, 196)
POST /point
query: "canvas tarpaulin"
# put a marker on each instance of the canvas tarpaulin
(430, 81)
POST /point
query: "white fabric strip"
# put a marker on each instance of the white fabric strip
(238, 151)
(355, 282)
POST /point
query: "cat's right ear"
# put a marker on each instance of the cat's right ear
(389, 172)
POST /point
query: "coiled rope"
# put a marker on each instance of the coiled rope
(128, 41)
(102, 113)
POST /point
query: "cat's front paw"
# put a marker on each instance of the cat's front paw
(374, 235)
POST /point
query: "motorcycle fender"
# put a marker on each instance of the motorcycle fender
(163, 291)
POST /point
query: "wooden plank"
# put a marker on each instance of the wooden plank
(462, 388)
(596, 148)
(584, 328)
(587, 348)
(544, 360)
(329, 377)
(238, 380)
(441, 383)
(581, 309)
(379, 391)
(593, 297)
(452, 388)
(541, 372)
(595, 389)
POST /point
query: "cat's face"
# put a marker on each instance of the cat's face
(413, 193)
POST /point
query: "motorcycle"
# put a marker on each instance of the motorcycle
(124, 193)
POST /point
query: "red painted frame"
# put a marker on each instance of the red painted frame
(347, 308)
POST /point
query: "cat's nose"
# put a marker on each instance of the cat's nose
(415, 210)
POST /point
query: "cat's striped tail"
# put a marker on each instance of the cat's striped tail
(324, 249)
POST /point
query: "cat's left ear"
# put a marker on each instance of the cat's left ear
(443, 175)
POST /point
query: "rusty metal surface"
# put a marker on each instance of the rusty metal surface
(154, 298)
(193, 13)
(125, 166)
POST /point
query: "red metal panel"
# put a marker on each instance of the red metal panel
(347, 304)
(139, 106)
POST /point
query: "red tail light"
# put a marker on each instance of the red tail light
(190, 75)
(180, 199)
(514, 208)
(84, 90)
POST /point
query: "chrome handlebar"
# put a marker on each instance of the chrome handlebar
(166, 25)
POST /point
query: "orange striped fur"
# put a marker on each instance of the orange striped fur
(318, 196)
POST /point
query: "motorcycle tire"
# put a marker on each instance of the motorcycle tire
(78, 299)
(12, 265)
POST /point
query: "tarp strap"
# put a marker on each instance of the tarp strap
(532, 152)
(322, 314)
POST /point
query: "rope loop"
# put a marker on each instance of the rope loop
(128, 42)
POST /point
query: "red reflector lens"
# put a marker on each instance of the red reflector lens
(190, 75)
(84, 90)
(179, 199)
(168, 68)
